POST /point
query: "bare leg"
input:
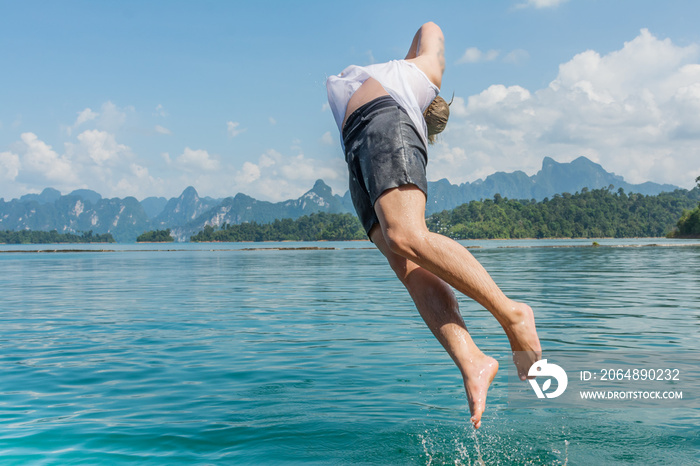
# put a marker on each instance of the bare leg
(401, 213)
(438, 307)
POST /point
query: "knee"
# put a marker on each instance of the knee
(405, 242)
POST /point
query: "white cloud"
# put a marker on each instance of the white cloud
(138, 170)
(160, 111)
(103, 164)
(277, 177)
(457, 108)
(96, 161)
(233, 128)
(83, 117)
(539, 4)
(39, 159)
(301, 168)
(9, 166)
(474, 55)
(93, 159)
(635, 110)
(111, 118)
(197, 160)
(133, 182)
(516, 56)
(162, 130)
(268, 159)
(272, 121)
(102, 146)
(248, 173)
(327, 138)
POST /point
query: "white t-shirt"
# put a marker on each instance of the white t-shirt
(403, 80)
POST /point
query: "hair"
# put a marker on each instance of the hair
(436, 116)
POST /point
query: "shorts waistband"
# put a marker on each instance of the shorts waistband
(371, 106)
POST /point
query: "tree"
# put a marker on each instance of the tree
(155, 236)
(51, 237)
(314, 227)
(689, 224)
(590, 213)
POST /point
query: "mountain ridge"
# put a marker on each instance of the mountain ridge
(553, 178)
(187, 214)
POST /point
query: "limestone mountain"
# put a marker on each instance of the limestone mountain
(242, 208)
(84, 210)
(124, 218)
(553, 178)
(183, 209)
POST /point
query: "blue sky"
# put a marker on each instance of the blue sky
(145, 98)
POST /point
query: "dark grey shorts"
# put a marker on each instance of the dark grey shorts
(384, 150)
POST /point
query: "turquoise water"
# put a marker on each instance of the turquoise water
(209, 354)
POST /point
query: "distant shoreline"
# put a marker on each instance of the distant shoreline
(319, 248)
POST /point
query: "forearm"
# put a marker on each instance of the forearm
(413, 51)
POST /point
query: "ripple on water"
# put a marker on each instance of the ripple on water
(250, 357)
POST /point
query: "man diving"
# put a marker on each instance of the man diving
(387, 113)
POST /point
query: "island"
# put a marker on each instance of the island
(155, 236)
(52, 237)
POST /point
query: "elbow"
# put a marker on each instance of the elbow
(431, 27)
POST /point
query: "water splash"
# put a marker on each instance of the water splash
(424, 441)
(465, 446)
(479, 458)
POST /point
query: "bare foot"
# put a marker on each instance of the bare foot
(523, 338)
(478, 375)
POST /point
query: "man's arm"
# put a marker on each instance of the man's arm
(428, 51)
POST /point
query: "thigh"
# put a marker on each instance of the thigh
(402, 208)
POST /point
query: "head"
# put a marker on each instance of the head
(436, 116)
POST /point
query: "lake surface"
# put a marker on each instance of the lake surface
(213, 354)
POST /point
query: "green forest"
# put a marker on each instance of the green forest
(315, 227)
(689, 224)
(51, 237)
(155, 236)
(589, 214)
